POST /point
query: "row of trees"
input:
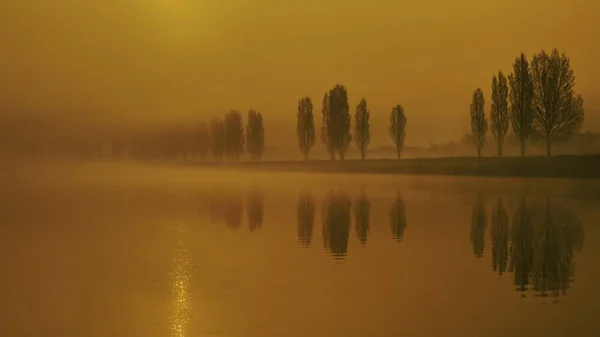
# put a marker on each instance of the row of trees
(336, 132)
(536, 102)
(223, 138)
(537, 99)
(581, 143)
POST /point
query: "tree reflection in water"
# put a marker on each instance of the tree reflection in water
(542, 245)
(398, 217)
(255, 209)
(336, 224)
(362, 207)
(499, 238)
(234, 211)
(558, 235)
(305, 213)
(478, 224)
(521, 247)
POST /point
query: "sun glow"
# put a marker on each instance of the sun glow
(181, 19)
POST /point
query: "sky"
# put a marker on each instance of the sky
(147, 61)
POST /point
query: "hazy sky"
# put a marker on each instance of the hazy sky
(160, 59)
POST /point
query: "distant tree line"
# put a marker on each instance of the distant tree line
(535, 103)
(223, 138)
(537, 100)
(581, 143)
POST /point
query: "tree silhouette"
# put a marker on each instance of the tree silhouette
(336, 121)
(521, 97)
(479, 124)
(340, 110)
(305, 214)
(255, 135)
(217, 138)
(327, 127)
(499, 111)
(336, 224)
(521, 249)
(255, 209)
(478, 224)
(398, 217)
(234, 135)
(233, 211)
(305, 127)
(202, 141)
(557, 112)
(362, 207)
(362, 133)
(499, 238)
(398, 128)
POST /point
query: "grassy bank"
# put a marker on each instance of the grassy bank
(559, 166)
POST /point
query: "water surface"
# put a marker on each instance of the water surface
(127, 251)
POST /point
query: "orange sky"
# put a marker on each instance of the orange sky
(157, 59)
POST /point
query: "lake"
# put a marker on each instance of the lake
(121, 250)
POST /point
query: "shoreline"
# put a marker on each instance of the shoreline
(585, 167)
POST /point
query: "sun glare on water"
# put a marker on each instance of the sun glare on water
(181, 278)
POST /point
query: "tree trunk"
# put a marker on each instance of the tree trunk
(332, 155)
(522, 147)
(398, 150)
(363, 154)
(478, 151)
(548, 147)
(306, 156)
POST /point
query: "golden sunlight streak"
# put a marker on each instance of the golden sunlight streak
(181, 278)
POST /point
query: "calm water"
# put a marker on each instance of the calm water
(195, 253)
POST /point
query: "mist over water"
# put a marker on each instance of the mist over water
(101, 249)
